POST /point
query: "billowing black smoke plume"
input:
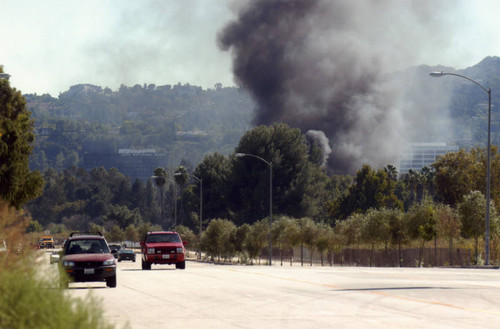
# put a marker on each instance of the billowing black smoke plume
(323, 66)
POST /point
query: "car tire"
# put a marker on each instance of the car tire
(146, 265)
(111, 282)
(119, 260)
(181, 265)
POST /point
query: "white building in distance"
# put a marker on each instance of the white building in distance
(419, 155)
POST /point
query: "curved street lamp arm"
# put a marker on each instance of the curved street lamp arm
(240, 155)
(440, 74)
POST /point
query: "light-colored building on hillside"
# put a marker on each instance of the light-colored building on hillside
(419, 155)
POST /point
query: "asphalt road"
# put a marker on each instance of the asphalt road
(217, 296)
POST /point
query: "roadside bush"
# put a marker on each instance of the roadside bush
(30, 299)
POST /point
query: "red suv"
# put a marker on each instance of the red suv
(163, 248)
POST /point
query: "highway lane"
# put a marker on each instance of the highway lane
(217, 296)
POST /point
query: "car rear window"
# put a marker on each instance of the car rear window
(167, 237)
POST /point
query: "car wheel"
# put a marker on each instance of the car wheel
(181, 265)
(111, 282)
(119, 260)
(146, 265)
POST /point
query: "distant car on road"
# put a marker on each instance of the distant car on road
(115, 248)
(162, 247)
(87, 257)
(54, 257)
(46, 242)
(126, 254)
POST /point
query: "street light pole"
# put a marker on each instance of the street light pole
(270, 164)
(488, 163)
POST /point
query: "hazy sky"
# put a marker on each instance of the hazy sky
(49, 45)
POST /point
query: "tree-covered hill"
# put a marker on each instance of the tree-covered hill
(185, 122)
(181, 121)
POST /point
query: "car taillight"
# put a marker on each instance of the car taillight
(180, 250)
(151, 250)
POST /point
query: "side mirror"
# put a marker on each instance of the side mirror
(142, 243)
(184, 242)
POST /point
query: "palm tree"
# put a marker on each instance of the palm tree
(160, 179)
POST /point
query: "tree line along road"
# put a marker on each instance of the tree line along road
(232, 296)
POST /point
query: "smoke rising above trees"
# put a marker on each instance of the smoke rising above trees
(331, 66)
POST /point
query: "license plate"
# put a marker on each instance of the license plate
(165, 256)
(88, 271)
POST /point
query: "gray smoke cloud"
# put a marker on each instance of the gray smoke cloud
(331, 66)
(320, 138)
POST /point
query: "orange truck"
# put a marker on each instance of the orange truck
(46, 242)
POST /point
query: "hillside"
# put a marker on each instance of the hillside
(185, 122)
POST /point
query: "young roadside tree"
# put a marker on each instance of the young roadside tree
(398, 232)
(278, 234)
(291, 236)
(257, 239)
(240, 239)
(375, 229)
(351, 230)
(308, 237)
(448, 226)
(18, 184)
(421, 224)
(472, 213)
(324, 240)
(217, 239)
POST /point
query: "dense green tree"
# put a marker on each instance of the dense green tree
(34, 226)
(283, 147)
(131, 233)
(18, 184)
(454, 176)
(122, 216)
(215, 172)
(370, 189)
(116, 234)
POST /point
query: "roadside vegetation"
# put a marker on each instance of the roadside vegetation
(28, 299)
